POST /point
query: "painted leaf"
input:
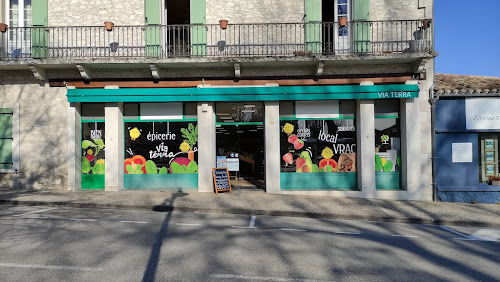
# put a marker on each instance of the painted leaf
(184, 169)
(163, 170)
(388, 166)
(151, 167)
(138, 169)
(96, 169)
(192, 167)
(85, 165)
(315, 168)
(129, 168)
(175, 168)
(378, 163)
(398, 160)
(99, 143)
(87, 143)
(328, 168)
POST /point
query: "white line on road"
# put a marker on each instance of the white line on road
(467, 239)
(350, 233)
(458, 233)
(399, 235)
(132, 221)
(58, 267)
(262, 278)
(35, 211)
(292, 229)
(244, 227)
(252, 221)
(82, 219)
(189, 224)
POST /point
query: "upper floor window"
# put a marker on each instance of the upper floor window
(18, 15)
(343, 11)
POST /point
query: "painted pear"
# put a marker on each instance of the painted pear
(308, 166)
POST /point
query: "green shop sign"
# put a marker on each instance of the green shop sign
(287, 93)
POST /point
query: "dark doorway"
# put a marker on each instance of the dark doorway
(243, 144)
(328, 19)
(177, 34)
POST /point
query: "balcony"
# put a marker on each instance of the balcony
(159, 43)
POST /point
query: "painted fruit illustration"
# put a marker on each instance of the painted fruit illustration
(184, 146)
(347, 162)
(328, 162)
(133, 162)
(191, 135)
(327, 153)
(298, 144)
(134, 133)
(288, 158)
(288, 128)
(90, 155)
(305, 164)
(292, 138)
(183, 165)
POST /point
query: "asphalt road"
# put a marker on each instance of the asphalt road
(64, 244)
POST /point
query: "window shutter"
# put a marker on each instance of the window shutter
(313, 25)
(198, 11)
(39, 34)
(153, 28)
(361, 29)
(6, 138)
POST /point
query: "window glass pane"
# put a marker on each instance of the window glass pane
(240, 112)
(93, 111)
(131, 110)
(190, 109)
(286, 109)
(347, 108)
(488, 158)
(387, 107)
(342, 10)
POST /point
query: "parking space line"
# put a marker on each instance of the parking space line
(458, 233)
(292, 229)
(57, 267)
(261, 278)
(132, 221)
(243, 227)
(35, 211)
(189, 224)
(82, 219)
(349, 233)
(252, 221)
(409, 236)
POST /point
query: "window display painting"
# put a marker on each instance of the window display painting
(490, 157)
(321, 146)
(161, 147)
(93, 148)
(489, 144)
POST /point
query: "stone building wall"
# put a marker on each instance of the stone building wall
(95, 12)
(396, 10)
(43, 132)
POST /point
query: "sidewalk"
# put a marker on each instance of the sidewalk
(256, 202)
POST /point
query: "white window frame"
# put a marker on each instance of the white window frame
(15, 137)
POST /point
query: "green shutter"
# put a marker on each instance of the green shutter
(153, 28)
(198, 10)
(5, 138)
(313, 25)
(39, 34)
(361, 29)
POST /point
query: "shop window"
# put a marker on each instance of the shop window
(239, 112)
(488, 160)
(318, 153)
(93, 155)
(9, 138)
(161, 154)
(387, 144)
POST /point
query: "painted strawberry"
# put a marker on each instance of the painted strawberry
(292, 138)
(288, 158)
(298, 144)
(90, 158)
(300, 162)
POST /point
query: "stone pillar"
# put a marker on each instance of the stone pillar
(411, 146)
(206, 146)
(365, 160)
(272, 146)
(74, 147)
(114, 142)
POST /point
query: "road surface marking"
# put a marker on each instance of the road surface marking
(487, 234)
(262, 278)
(189, 224)
(132, 221)
(82, 219)
(35, 217)
(458, 233)
(292, 229)
(244, 227)
(35, 211)
(350, 233)
(58, 267)
(410, 236)
(252, 222)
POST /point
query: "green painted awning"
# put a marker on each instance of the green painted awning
(215, 94)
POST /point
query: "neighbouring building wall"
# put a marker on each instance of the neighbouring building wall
(2, 12)
(396, 10)
(255, 11)
(43, 135)
(93, 12)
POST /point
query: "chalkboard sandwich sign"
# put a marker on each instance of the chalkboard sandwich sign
(221, 179)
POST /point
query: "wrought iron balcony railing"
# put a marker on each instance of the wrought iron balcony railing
(235, 41)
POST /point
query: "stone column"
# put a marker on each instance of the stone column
(206, 146)
(272, 146)
(115, 154)
(74, 147)
(365, 160)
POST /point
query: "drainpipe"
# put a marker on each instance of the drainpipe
(433, 100)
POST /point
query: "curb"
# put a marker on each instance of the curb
(167, 208)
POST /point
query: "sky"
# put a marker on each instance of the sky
(467, 37)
